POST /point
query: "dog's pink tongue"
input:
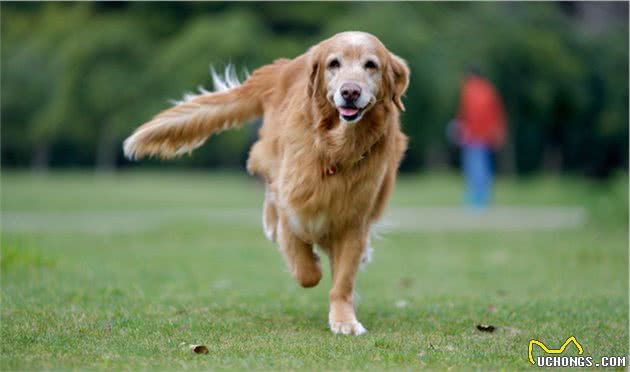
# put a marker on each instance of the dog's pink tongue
(348, 111)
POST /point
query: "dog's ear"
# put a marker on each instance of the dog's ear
(399, 79)
(314, 67)
(313, 79)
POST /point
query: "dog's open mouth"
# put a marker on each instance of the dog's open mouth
(349, 113)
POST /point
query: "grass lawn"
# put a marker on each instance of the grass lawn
(124, 271)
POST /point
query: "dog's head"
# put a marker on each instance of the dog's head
(353, 72)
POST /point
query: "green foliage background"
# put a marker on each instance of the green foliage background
(78, 77)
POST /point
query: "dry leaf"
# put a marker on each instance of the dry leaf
(199, 349)
(485, 328)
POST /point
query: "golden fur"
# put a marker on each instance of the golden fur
(327, 180)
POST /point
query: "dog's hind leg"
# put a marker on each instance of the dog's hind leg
(302, 261)
(270, 215)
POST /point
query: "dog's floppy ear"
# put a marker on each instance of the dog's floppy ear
(399, 79)
(313, 73)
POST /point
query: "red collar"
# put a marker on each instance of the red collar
(331, 171)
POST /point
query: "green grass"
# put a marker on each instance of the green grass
(131, 295)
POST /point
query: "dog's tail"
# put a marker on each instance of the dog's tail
(188, 124)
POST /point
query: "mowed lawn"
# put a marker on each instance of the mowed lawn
(125, 271)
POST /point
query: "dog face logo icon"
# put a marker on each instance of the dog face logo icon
(553, 351)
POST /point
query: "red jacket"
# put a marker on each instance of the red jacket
(481, 115)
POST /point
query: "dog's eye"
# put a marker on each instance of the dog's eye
(370, 65)
(334, 63)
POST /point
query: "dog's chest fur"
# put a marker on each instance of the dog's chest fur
(318, 205)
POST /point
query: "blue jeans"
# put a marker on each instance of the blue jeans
(477, 167)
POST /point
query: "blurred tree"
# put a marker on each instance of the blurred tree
(31, 70)
(78, 77)
(183, 65)
(101, 85)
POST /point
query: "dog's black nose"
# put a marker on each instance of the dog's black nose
(350, 91)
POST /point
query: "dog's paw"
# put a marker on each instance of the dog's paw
(353, 328)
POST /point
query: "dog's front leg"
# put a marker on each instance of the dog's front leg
(345, 257)
(303, 262)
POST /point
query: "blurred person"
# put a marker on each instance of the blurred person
(480, 130)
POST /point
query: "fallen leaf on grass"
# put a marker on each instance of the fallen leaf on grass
(486, 328)
(199, 349)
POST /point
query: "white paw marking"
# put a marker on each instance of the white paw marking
(367, 256)
(269, 234)
(270, 231)
(353, 328)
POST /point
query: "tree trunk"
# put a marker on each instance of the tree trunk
(106, 150)
(41, 157)
(552, 159)
(507, 158)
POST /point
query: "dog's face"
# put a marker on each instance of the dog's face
(354, 72)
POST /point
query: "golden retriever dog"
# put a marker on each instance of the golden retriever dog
(328, 151)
